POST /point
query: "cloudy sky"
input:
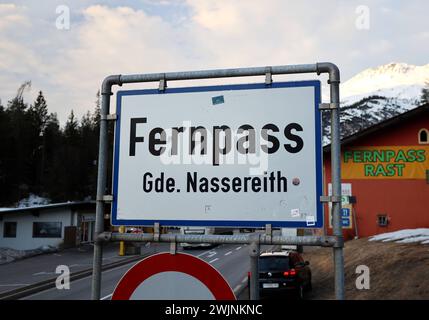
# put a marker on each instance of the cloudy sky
(68, 63)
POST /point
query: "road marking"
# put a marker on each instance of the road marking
(238, 248)
(119, 267)
(244, 280)
(80, 265)
(228, 253)
(214, 260)
(238, 287)
(107, 297)
(82, 279)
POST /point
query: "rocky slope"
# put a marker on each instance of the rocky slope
(377, 94)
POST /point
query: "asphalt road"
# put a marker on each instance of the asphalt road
(232, 261)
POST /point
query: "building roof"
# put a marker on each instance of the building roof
(381, 125)
(72, 204)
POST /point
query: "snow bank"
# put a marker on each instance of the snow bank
(404, 236)
(8, 255)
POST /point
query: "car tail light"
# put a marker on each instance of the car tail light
(290, 273)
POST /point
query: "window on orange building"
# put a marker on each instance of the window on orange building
(424, 136)
(382, 220)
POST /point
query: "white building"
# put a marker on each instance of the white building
(62, 224)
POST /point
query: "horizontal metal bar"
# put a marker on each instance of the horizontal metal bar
(268, 76)
(105, 198)
(323, 241)
(162, 84)
(219, 73)
(109, 117)
(28, 290)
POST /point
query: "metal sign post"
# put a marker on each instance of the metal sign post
(104, 195)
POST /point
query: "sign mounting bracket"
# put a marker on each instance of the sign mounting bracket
(269, 231)
(332, 199)
(173, 246)
(109, 117)
(105, 198)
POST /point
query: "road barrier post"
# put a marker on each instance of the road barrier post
(335, 241)
(254, 270)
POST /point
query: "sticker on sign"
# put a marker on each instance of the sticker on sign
(238, 155)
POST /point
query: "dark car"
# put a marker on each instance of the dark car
(283, 272)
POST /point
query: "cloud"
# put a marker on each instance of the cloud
(149, 36)
(114, 41)
(12, 17)
(17, 59)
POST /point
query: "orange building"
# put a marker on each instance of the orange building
(385, 176)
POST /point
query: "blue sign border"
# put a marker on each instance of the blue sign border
(223, 223)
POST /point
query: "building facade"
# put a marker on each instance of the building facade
(385, 176)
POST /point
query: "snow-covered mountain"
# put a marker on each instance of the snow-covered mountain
(377, 94)
(391, 79)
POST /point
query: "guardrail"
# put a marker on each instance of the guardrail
(103, 198)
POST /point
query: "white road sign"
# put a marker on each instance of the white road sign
(179, 276)
(238, 155)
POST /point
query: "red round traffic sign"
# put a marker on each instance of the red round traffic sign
(172, 276)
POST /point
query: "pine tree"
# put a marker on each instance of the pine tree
(54, 184)
(72, 159)
(97, 111)
(425, 94)
(5, 158)
(88, 152)
(39, 111)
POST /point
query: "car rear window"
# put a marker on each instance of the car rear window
(273, 264)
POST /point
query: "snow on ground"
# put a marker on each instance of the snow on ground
(404, 236)
(399, 80)
(8, 255)
(405, 96)
(33, 200)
